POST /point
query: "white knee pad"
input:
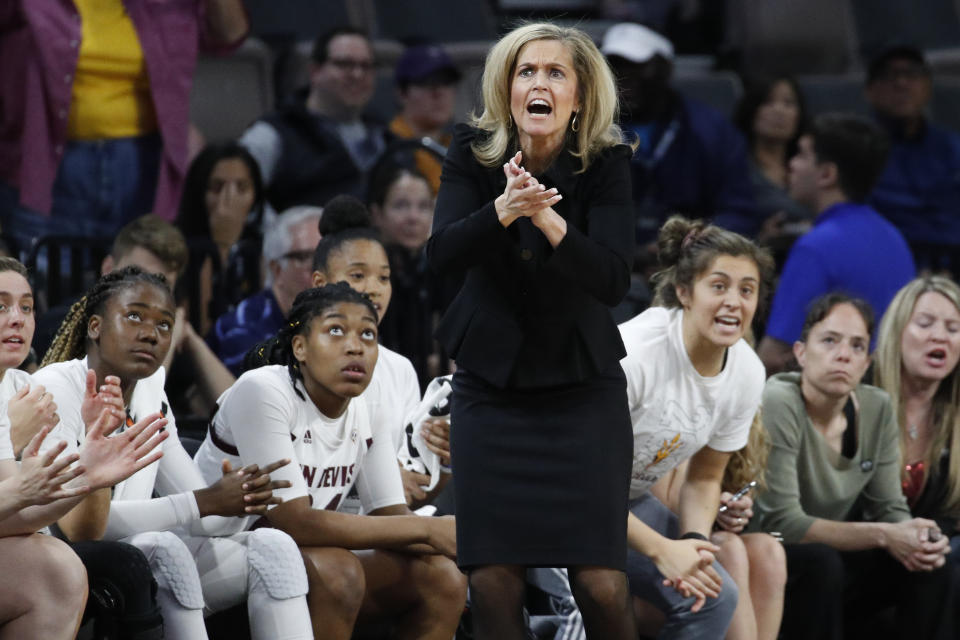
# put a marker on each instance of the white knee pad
(173, 566)
(276, 559)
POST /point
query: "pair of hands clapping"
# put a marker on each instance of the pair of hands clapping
(103, 459)
(523, 196)
(106, 458)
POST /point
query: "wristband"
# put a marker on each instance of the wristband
(693, 535)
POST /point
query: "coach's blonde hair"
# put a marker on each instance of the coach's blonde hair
(596, 128)
(888, 375)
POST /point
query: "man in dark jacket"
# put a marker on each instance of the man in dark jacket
(319, 145)
(919, 190)
(690, 159)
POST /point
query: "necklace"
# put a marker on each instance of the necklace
(913, 431)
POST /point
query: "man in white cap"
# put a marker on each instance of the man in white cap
(690, 159)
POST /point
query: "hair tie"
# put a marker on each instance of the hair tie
(689, 239)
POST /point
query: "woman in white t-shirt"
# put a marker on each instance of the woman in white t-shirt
(306, 405)
(694, 386)
(47, 583)
(186, 527)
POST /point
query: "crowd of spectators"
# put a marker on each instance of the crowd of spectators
(861, 213)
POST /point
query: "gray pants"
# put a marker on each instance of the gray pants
(646, 583)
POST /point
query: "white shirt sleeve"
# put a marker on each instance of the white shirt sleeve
(378, 482)
(60, 380)
(259, 412)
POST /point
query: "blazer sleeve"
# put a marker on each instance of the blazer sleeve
(465, 224)
(598, 258)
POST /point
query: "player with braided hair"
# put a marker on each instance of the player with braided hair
(70, 341)
(120, 333)
(305, 403)
(51, 585)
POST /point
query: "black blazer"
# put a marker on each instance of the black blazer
(529, 315)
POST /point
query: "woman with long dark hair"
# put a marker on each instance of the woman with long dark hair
(222, 204)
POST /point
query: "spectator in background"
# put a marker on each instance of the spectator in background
(427, 88)
(222, 204)
(319, 145)
(850, 248)
(833, 480)
(918, 350)
(288, 253)
(401, 205)
(149, 242)
(93, 130)
(771, 115)
(919, 191)
(690, 159)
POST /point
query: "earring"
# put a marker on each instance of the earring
(573, 123)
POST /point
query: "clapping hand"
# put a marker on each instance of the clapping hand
(41, 477)
(109, 460)
(108, 398)
(246, 491)
(523, 196)
(29, 410)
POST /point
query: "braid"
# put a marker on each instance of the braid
(70, 341)
(306, 306)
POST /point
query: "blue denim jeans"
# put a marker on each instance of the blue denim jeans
(100, 186)
(646, 581)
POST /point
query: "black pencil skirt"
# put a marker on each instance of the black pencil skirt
(542, 476)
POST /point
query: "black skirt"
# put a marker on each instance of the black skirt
(542, 475)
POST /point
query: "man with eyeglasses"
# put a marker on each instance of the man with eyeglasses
(919, 190)
(320, 144)
(288, 254)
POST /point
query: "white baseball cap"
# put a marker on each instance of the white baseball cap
(635, 42)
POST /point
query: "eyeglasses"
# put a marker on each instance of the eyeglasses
(303, 255)
(349, 64)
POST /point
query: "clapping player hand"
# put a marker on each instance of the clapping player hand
(41, 478)
(109, 460)
(241, 492)
(109, 398)
(29, 410)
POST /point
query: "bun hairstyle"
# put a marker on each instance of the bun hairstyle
(687, 248)
(306, 306)
(345, 218)
(71, 339)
